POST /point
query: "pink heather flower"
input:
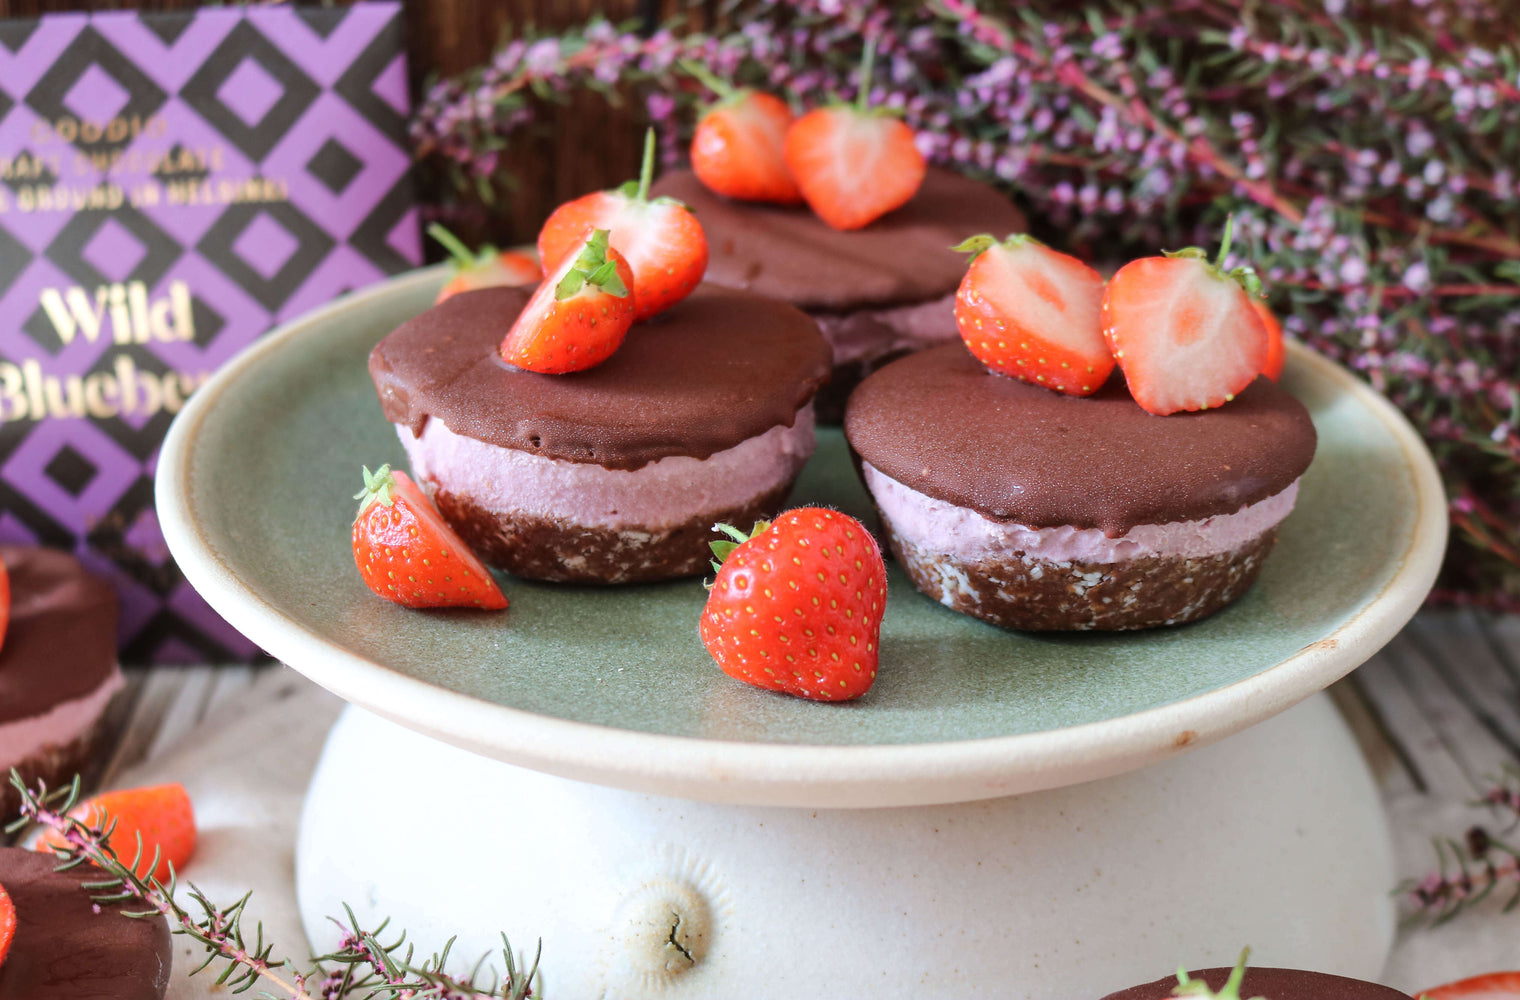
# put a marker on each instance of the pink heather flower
(542, 57)
(1417, 277)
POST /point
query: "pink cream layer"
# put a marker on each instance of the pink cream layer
(662, 494)
(968, 536)
(873, 333)
(59, 726)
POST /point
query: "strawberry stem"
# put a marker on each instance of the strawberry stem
(705, 76)
(724, 547)
(1224, 244)
(867, 61)
(462, 255)
(1189, 987)
(646, 171)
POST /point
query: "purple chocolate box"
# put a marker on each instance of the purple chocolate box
(171, 187)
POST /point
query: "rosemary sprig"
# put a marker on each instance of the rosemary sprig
(364, 965)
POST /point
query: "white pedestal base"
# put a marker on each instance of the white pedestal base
(1273, 838)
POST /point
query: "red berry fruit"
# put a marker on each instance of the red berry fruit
(486, 268)
(1277, 351)
(407, 553)
(160, 817)
(1490, 986)
(854, 164)
(1183, 330)
(662, 241)
(1031, 312)
(797, 605)
(739, 148)
(578, 316)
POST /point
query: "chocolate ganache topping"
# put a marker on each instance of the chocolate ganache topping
(1272, 984)
(61, 643)
(790, 254)
(64, 949)
(942, 424)
(720, 367)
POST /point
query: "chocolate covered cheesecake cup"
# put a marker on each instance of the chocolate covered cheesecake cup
(614, 474)
(1036, 510)
(877, 292)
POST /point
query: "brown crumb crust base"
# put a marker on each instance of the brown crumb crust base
(557, 550)
(56, 765)
(1039, 596)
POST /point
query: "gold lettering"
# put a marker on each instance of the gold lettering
(77, 316)
(31, 373)
(55, 390)
(97, 387)
(12, 393)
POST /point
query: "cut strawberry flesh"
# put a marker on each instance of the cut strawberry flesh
(853, 167)
(1030, 312)
(1185, 335)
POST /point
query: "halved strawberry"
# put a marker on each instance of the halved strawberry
(1183, 330)
(739, 148)
(7, 923)
(160, 817)
(578, 316)
(1492, 986)
(407, 553)
(1277, 351)
(854, 164)
(663, 242)
(1034, 313)
(486, 268)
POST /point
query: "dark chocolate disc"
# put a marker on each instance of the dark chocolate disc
(1271, 984)
(791, 254)
(720, 367)
(942, 424)
(66, 948)
(61, 643)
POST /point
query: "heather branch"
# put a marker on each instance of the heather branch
(361, 966)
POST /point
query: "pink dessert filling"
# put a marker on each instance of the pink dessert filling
(872, 333)
(61, 725)
(662, 494)
(968, 536)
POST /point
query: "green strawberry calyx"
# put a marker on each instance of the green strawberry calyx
(980, 244)
(724, 547)
(728, 95)
(1189, 987)
(463, 258)
(592, 267)
(1245, 275)
(379, 487)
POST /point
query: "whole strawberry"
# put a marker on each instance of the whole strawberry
(579, 314)
(797, 605)
(1184, 330)
(739, 147)
(486, 268)
(663, 242)
(854, 164)
(1034, 313)
(407, 553)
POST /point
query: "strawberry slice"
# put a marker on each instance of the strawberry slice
(1034, 313)
(1492, 986)
(1277, 351)
(486, 268)
(160, 816)
(854, 164)
(578, 316)
(797, 605)
(1183, 330)
(739, 148)
(663, 242)
(407, 553)
(7, 924)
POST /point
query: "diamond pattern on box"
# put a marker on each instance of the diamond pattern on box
(171, 186)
